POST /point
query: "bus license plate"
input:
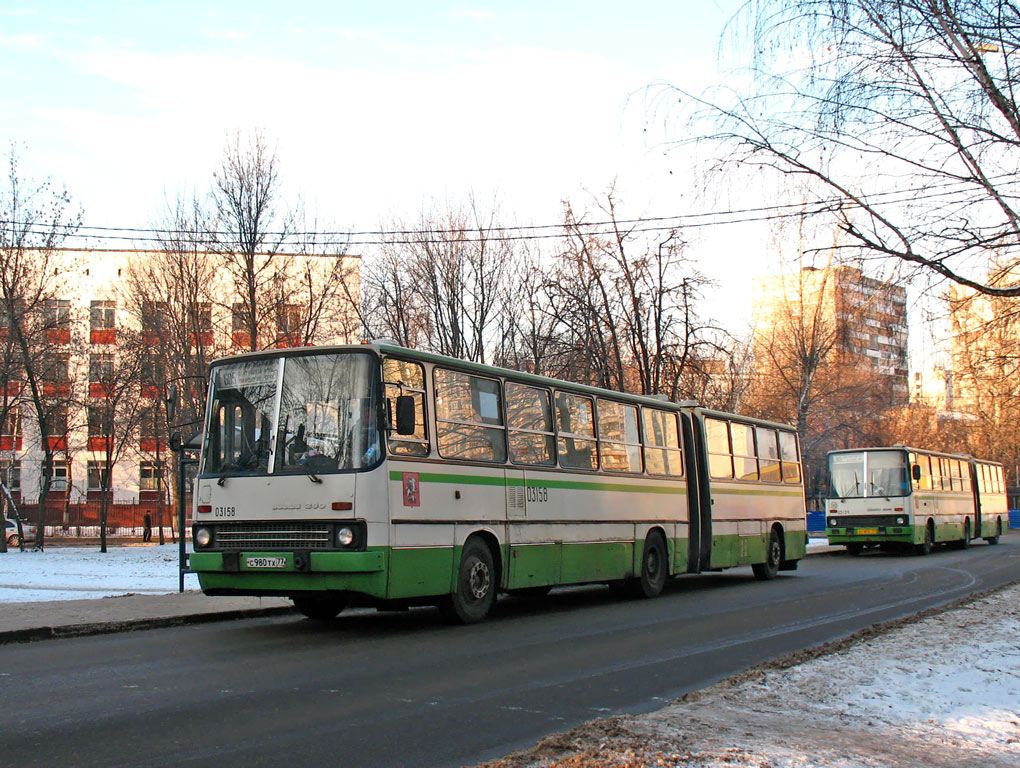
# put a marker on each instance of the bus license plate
(266, 562)
(866, 531)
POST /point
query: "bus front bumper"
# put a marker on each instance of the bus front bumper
(873, 534)
(290, 572)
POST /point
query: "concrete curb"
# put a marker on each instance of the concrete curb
(156, 622)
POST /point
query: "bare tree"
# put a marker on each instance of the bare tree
(442, 284)
(904, 110)
(35, 221)
(250, 233)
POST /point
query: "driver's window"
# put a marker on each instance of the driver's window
(406, 379)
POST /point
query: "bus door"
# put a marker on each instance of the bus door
(976, 484)
(699, 497)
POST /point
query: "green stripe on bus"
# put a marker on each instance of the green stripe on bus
(574, 485)
(755, 492)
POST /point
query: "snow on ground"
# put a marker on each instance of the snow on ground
(940, 691)
(76, 573)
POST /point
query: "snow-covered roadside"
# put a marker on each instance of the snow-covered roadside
(76, 573)
(939, 690)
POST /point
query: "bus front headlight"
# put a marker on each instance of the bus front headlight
(901, 521)
(203, 537)
(833, 522)
(344, 536)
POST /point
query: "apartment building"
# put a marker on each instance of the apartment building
(842, 308)
(95, 309)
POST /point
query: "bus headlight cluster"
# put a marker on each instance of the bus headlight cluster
(344, 536)
(203, 537)
(901, 521)
(833, 522)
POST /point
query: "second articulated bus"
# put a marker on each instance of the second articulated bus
(908, 497)
(382, 475)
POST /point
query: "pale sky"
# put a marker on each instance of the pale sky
(378, 111)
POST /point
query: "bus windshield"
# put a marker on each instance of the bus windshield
(867, 474)
(301, 414)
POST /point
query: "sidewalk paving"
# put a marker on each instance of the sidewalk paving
(22, 622)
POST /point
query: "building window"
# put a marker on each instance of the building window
(101, 367)
(102, 315)
(150, 476)
(98, 476)
(154, 325)
(58, 475)
(289, 324)
(56, 313)
(55, 420)
(240, 334)
(56, 368)
(100, 420)
(201, 332)
(10, 475)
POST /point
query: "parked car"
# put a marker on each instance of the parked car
(11, 531)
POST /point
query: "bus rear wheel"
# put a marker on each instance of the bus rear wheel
(998, 532)
(654, 568)
(475, 592)
(773, 558)
(320, 608)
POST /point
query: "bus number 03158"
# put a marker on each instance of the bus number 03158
(538, 494)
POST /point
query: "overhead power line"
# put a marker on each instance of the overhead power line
(646, 224)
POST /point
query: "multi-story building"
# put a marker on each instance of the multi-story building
(838, 309)
(90, 319)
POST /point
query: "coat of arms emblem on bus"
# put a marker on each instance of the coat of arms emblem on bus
(411, 490)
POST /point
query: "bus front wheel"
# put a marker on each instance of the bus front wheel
(319, 608)
(475, 592)
(929, 540)
(773, 558)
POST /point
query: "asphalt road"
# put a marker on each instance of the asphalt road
(376, 689)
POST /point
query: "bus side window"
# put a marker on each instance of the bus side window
(745, 464)
(1000, 483)
(469, 417)
(575, 417)
(662, 443)
(529, 420)
(403, 378)
(926, 480)
(768, 454)
(788, 457)
(720, 459)
(619, 441)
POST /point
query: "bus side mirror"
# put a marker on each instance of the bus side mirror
(915, 472)
(405, 415)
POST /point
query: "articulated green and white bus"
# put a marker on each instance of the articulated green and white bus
(376, 474)
(907, 497)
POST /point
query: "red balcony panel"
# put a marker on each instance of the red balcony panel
(148, 495)
(240, 338)
(98, 389)
(97, 495)
(58, 335)
(99, 443)
(284, 340)
(56, 388)
(57, 442)
(14, 388)
(151, 338)
(202, 339)
(150, 391)
(151, 445)
(11, 442)
(103, 336)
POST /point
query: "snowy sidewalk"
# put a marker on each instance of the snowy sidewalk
(67, 591)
